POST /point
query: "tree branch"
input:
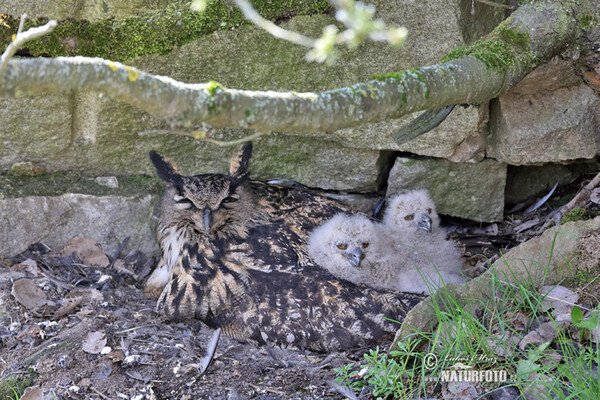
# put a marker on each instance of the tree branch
(531, 36)
(23, 37)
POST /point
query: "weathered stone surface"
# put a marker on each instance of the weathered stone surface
(314, 162)
(448, 140)
(36, 129)
(83, 9)
(317, 163)
(548, 117)
(467, 190)
(54, 220)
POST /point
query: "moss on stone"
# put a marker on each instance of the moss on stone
(60, 183)
(588, 21)
(150, 32)
(578, 214)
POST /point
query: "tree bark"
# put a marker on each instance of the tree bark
(531, 36)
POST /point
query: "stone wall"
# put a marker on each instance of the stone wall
(95, 136)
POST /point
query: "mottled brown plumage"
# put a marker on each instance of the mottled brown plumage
(234, 256)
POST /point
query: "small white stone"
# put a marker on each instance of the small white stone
(108, 181)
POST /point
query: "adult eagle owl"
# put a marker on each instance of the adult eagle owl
(234, 256)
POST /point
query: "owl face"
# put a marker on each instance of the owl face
(343, 241)
(412, 212)
(211, 202)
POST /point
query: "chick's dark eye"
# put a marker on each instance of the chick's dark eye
(365, 245)
(429, 211)
(409, 217)
(342, 246)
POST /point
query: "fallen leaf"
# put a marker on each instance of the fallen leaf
(94, 342)
(103, 372)
(533, 338)
(31, 331)
(28, 265)
(462, 391)
(559, 298)
(90, 295)
(33, 393)
(87, 250)
(544, 333)
(30, 295)
(116, 356)
(84, 383)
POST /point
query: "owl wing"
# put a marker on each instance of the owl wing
(304, 310)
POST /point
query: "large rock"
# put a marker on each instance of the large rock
(544, 260)
(467, 190)
(550, 116)
(55, 219)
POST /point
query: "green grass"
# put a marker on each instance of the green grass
(484, 334)
(12, 388)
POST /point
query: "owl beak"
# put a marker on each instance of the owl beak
(207, 220)
(355, 257)
(424, 222)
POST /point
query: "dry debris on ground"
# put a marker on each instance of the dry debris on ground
(87, 332)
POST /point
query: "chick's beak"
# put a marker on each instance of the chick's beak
(355, 257)
(424, 222)
(207, 221)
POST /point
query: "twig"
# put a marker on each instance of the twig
(252, 15)
(100, 394)
(195, 135)
(21, 24)
(22, 38)
(582, 196)
(119, 250)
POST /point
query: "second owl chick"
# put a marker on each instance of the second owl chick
(412, 224)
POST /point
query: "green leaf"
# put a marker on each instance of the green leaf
(576, 315)
(525, 367)
(589, 323)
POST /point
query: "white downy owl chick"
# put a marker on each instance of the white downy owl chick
(341, 245)
(412, 226)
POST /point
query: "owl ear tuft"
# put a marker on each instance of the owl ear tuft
(238, 165)
(166, 170)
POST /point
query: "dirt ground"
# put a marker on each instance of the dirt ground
(97, 337)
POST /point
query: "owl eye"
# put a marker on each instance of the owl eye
(429, 211)
(342, 246)
(409, 217)
(230, 199)
(365, 245)
(183, 203)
